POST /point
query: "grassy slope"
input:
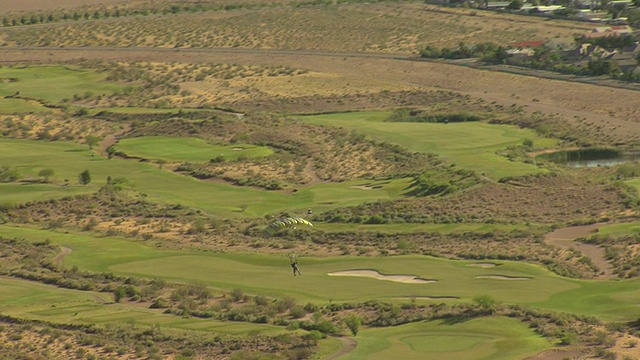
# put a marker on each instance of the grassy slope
(189, 149)
(468, 145)
(69, 159)
(30, 300)
(53, 83)
(620, 229)
(270, 275)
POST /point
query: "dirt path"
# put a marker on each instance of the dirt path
(349, 345)
(64, 252)
(111, 140)
(565, 239)
(311, 173)
(560, 354)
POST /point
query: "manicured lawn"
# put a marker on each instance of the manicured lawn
(15, 293)
(68, 160)
(32, 300)
(270, 275)
(17, 106)
(54, 83)
(608, 300)
(481, 338)
(620, 229)
(470, 145)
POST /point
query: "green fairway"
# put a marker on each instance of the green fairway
(68, 160)
(635, 183)
(15, 293)
(509, 282)
(53, 83)
(187, 149)
(470, 145)
(16, 106)
(31, 300)
(609, 300)
(620, 229)
(271, 275)
(482, 338)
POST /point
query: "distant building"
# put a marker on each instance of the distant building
(495, 5)
(606, 31)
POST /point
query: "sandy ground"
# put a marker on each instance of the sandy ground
(613, 114)
(406, 279)
(561, 354)
(485, 265)
(565, 239)
(501, 277)
(64, 252)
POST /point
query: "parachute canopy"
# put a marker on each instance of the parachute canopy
(284, 223)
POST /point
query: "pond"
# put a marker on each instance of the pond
(591, 157)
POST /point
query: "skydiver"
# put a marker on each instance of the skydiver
(294, 266)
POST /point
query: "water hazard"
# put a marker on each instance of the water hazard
(591, 157)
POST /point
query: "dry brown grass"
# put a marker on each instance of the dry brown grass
(399, 28)
(53, 127)
(344, 81)
(330, 83)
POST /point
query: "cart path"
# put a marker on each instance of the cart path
(64, 252)
(112, 139)
(560, 354)
(565, 238)
(349, 345)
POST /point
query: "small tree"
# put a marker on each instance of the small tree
(111, 151)
(92, 141)
(353, 322)
(8, 174)
(46, 174)
(515, 5)
(119, 293)
(85, 177)
(486, 303)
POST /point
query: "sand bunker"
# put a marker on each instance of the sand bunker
(430, 297)
(484, 264)
(407, 279)
(364, 187)
(503, 277)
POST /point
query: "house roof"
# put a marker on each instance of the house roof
(622, 29)
(618, 29)
(593, 35)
